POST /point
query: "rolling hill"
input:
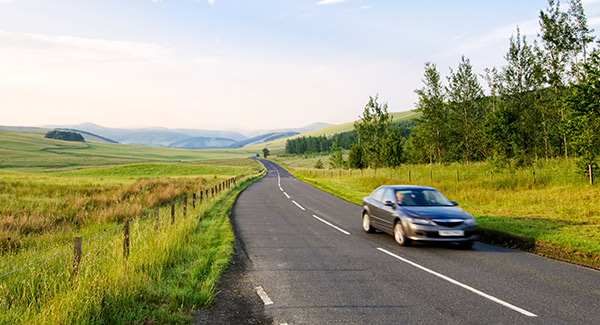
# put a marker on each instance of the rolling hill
(279, 144)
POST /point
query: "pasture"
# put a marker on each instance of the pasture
(53, 191)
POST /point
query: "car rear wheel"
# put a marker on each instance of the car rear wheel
(399, 235)
(366, 222)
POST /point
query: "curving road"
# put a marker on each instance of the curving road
(313, 264)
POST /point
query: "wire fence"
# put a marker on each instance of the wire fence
(205, 194)
(420, 174)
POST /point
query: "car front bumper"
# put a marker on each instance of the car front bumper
(432, 233)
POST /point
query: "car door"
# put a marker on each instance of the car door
(388, 210)
(375, 208)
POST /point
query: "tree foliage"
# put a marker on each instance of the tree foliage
(64, 135)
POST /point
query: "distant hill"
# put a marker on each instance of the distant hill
(182, 138)
(24, 129)
(308, 128)
(263, 138)
(203, 143)
(90, 137)
(279, 144)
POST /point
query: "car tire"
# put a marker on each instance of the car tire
(400, 235)
(465, 244)
(366, 223)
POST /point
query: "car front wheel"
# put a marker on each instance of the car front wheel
(399, 235)
(366, 222)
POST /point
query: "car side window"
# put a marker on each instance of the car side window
(388, 195)
(378, 194)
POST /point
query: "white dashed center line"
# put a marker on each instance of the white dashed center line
(263, 295)
(286, 195)
(462, 285)
(331, 225)
(298, 205)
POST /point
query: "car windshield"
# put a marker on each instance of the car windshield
(421, 197)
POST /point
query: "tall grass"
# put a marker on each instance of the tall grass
(170, 270)
(547, 205)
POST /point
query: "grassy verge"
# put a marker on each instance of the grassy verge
(170, 271)
(548, 209)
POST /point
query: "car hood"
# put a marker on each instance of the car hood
(435, 212)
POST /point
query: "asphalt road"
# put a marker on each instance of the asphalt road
(313, 264)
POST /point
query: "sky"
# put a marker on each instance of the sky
(239, 65)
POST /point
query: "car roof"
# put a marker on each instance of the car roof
(408, 187)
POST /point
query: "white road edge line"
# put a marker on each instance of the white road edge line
(286, 195)
(298, 205)
(483, 294)
(263, 295)
(331, 225)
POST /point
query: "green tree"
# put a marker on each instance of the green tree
(337, 159)
(584, 118)
(371, 130)
(434, 114)
(319, 164)
(355, 157)
(266, 152)
(522, 77)
(392, 150)
(467, 111)
(558, 38)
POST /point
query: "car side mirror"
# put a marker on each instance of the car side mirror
(389, 203)
(454, 203)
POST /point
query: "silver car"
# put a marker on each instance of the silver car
(417, 213)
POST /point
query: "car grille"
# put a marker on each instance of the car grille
(448, 222)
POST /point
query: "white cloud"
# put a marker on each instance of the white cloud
(211, 2)
(493, 38)
(6, 1)
(330, 2)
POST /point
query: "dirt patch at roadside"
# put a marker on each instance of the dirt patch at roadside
(237, 301)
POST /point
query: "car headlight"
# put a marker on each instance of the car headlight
(421, 221)
(470, 221)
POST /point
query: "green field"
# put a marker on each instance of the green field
(53, 191)
(547, 208)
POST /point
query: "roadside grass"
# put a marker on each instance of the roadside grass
(52, 191)
(169, 272)
(548, 208)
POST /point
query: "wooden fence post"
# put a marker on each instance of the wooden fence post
(126, 238)
(173, 212)
(185, 205)
(409, 178)
(431, 175)
(591, 175)
(194, 200)
(156, 217)
(457, 176)
(77, 252)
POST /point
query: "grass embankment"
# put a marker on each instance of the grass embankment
(557, 214)
(171, 269)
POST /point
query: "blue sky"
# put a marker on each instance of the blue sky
(239, 64)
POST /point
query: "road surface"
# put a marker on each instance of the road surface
(313, 264)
